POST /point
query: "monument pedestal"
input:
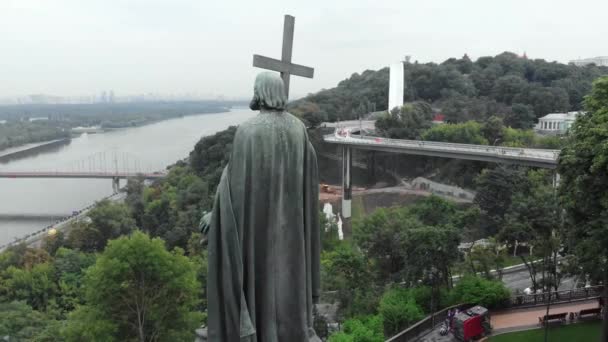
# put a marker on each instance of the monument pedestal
(201, 334)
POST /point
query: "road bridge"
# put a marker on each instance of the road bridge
(84, 174)
(542, 158)
(112, 164)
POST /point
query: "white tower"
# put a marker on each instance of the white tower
(395, 90)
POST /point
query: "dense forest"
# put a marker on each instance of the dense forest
(517, 89)
(59, 119)
(15, 133)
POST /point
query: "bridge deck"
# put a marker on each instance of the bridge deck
(524, 156)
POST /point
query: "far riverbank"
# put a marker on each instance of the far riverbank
(12, 153)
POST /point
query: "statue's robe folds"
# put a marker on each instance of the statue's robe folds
(263, 276)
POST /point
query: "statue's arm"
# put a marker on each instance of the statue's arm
(205, 222)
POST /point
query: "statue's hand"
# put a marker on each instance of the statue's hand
(204, 225)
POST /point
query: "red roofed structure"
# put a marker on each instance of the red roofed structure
(438, 118)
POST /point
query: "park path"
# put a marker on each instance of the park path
(517, 319)
(507, 320)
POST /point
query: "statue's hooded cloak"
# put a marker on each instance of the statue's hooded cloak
(264, 229)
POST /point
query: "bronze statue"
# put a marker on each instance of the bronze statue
(263, 233)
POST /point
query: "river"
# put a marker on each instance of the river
(156, 145)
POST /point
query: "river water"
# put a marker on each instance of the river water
(156, 146)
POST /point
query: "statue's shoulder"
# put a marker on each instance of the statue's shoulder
(264, 121)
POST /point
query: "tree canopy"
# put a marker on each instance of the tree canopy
(137, 290)
(583, 167)
(463, 89)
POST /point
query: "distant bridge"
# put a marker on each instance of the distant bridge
(92, 174)
(542, 158)
(111, 164)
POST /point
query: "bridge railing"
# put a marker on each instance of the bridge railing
(547, 154)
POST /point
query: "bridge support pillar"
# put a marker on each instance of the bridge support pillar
(115, 184)
(555, 179)
(347, 194)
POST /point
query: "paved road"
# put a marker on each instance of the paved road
(521, 279)
(36, 239)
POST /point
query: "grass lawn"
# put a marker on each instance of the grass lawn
(579, 332)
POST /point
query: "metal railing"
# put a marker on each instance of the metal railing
(427, 324)
(413, 332)
(556, 297)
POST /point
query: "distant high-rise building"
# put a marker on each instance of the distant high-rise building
(111, 96)
(599, 61)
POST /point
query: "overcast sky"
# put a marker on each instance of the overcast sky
(81, 47)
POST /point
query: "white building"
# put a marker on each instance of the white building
(556, 123)
(599, 61)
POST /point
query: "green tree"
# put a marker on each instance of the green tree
(507, 87)
(85, 237)
(534, 217)
(20, 322)
(487, 257)
(111, 220)
(469, 132)
(379, 235)
(545, 100)
(495, 188)
(398, 309)
(583, 166)
(52, 242)
(347, 271)
(137, 290)
(480, 291)
(407, 122)
(37, 286)
(309, 112)
(135, 201)
(69, 266)
(521, 116)
(363, 329)
(492, 130)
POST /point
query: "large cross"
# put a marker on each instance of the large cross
(284, 66)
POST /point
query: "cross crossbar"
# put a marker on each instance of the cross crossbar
(284, 65)
(280, 66)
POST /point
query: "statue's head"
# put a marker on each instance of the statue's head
(268, 92)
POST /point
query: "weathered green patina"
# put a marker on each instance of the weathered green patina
(264, 234)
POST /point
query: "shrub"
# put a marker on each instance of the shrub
(398, 309)
(362, 329)
(477, 290)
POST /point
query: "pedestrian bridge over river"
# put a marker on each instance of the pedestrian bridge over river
(522, 156)
(496, 154)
